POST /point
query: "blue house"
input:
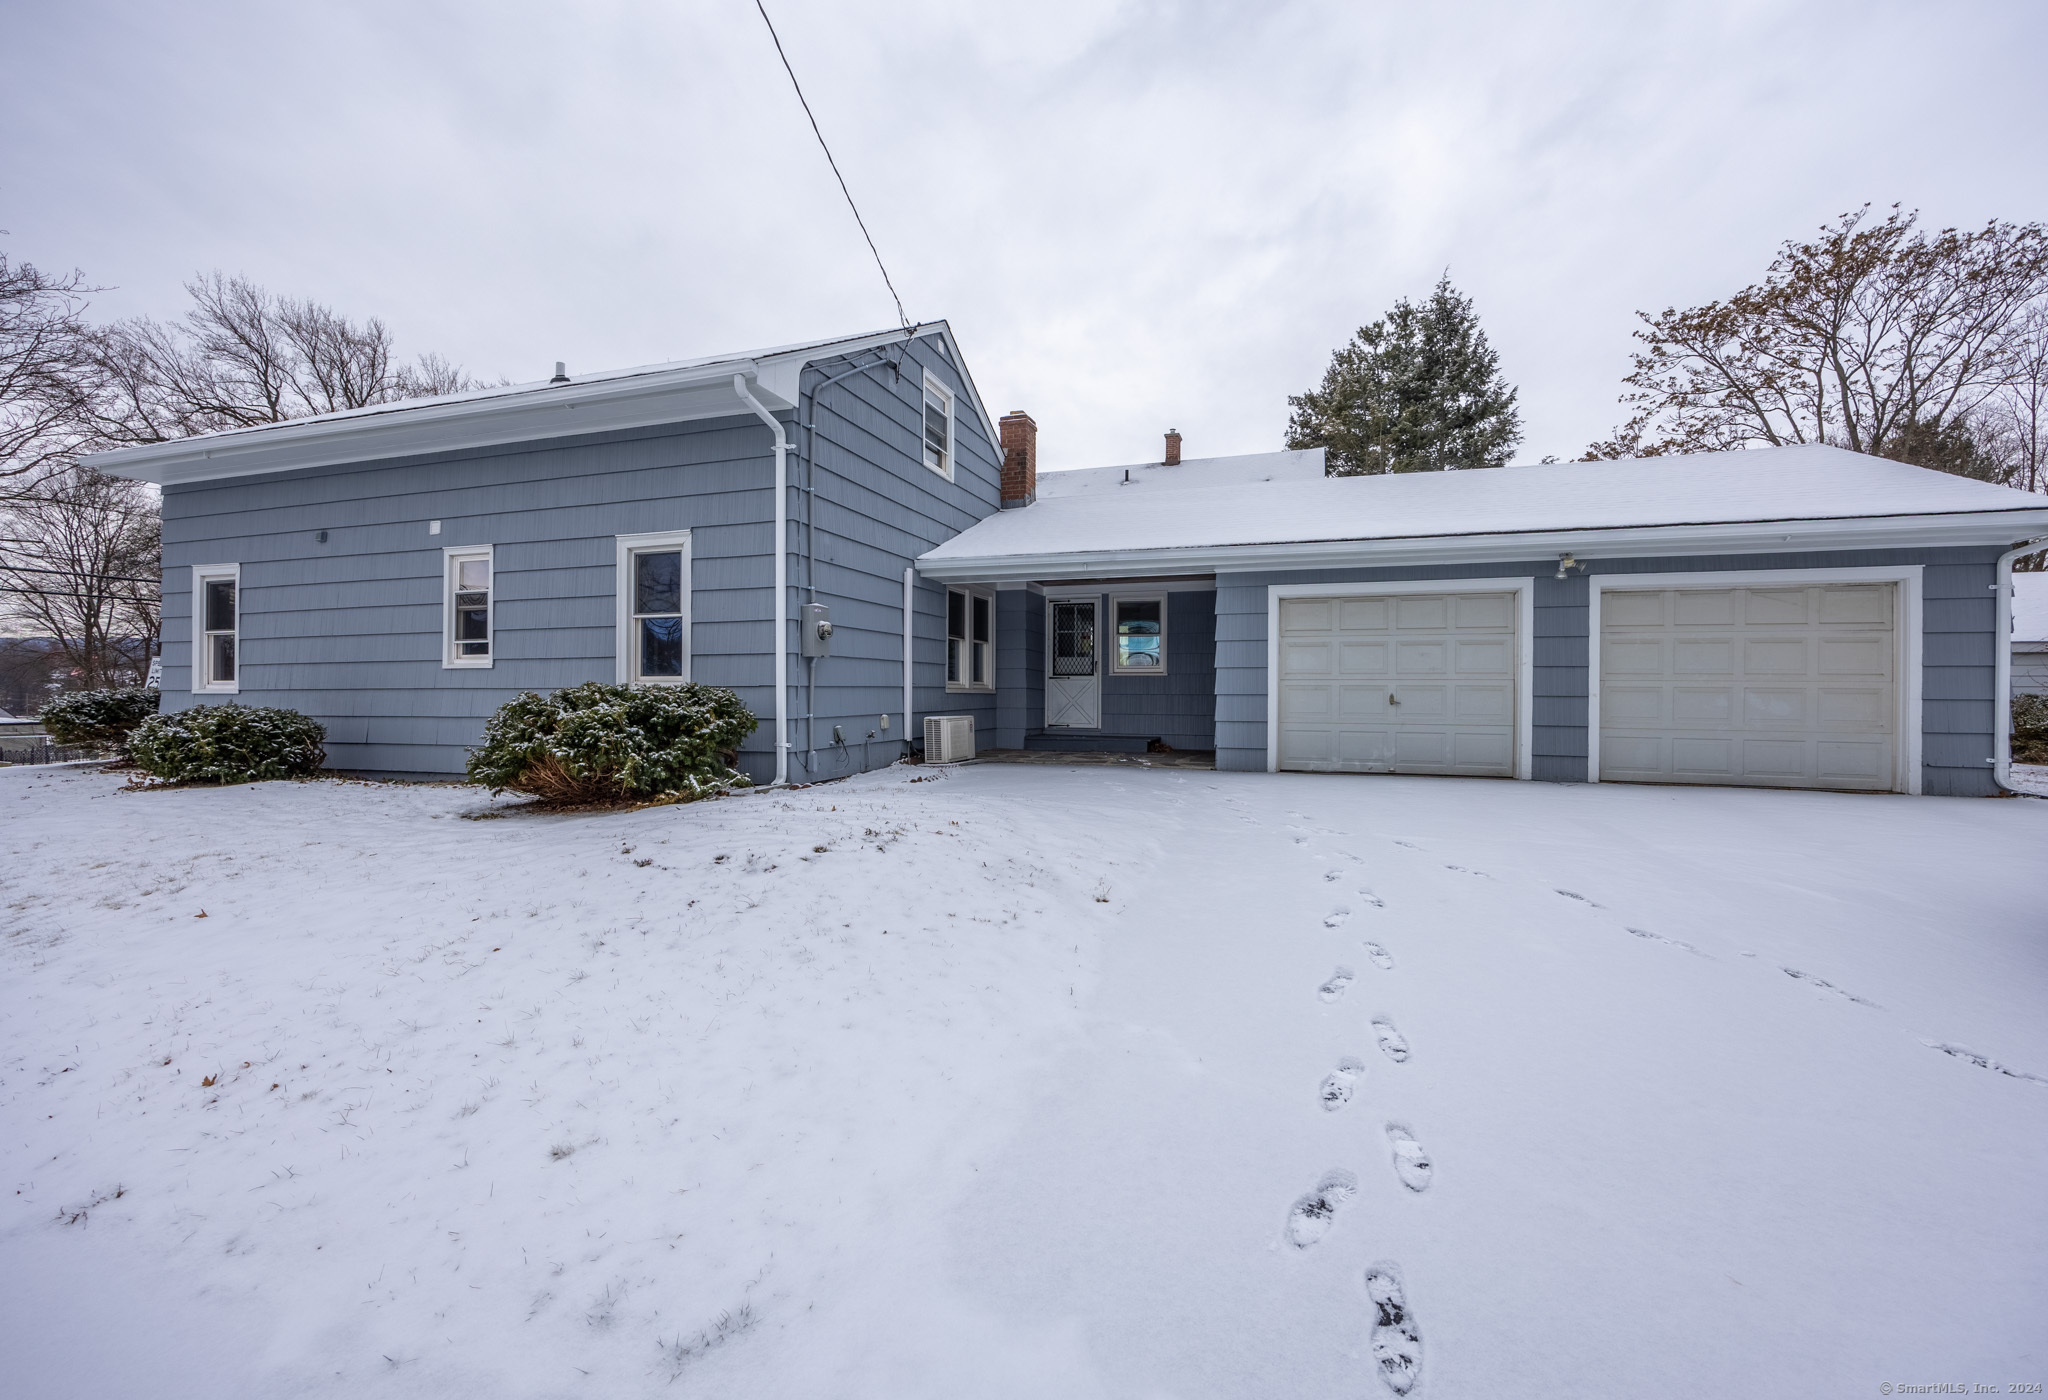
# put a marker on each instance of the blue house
(842, 533)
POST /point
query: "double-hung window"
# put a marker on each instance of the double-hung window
(970, 639)
(468, 607)
(216, 629)
(654, 608)
(1140, 635)
(938, 427)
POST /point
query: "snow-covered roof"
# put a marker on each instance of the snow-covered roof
(676, 391)
(1766, 498)
(1306, 465)
(2030, 608)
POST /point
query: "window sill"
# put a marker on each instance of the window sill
(217, 689)
(659, 680)
(1138, 670)
(448, 665)
(953, 689)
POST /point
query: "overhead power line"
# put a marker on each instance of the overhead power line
(886, 280)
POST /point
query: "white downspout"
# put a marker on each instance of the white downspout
(909, 623)
(2001, 665)
(739, 386)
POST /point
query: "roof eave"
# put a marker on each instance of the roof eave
(1590, 544)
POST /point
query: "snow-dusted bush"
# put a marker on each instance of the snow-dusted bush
(611, 743)
(101, 717)
(2030, 729)
(228, 744)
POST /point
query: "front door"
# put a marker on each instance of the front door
(1073, 676)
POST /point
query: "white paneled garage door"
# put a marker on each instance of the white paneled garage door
(1761, 687)
(1413, 683)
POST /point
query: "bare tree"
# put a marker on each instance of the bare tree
(1874, 337)
(81, 566)
(241, 357)
(45, 368)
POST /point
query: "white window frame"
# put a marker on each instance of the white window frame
(450, 661)
(203, 574)
(964, 686)
(658, 542)
(933, 389)
(1524, 589)
(1906, 641)
(1116, 666)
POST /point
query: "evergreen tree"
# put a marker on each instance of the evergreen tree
(1418, 390)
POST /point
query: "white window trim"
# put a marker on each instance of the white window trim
(945, 395)
(1116, 668)
(973, 591)
(449, 660)
(201, 575)
(1524, 589)
(1906, 641)
(628, 654)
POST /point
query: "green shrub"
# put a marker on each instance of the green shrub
(102, 717)
(2030, 729)
(228, 744)
(612, 743)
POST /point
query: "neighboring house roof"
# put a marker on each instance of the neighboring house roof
(1306, 465)
(1769, 498)
(588, 403)
(2030, 611)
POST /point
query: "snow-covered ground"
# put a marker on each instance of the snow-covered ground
(1032, 1081)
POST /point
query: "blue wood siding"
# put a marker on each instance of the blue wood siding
(1957, 653)
(877, 508)
(349, 630)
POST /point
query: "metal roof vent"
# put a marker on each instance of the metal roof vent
(561, 373)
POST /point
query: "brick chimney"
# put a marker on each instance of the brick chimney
(1020, 459)
(1173, 447)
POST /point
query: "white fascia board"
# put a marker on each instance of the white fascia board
(607, 403)
(1752, 537)
(560, 410)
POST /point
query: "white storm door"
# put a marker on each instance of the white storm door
(1785, 686)
(1073, 670)
(1398, 683)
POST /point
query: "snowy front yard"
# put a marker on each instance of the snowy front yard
(1021, 1081)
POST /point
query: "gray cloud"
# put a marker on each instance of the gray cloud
(1136, 216)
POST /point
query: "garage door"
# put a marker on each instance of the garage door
(1762, 687)
(1418, 683)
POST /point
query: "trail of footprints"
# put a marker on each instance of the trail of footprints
(1395, 1341)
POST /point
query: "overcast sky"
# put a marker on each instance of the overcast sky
(1136, 216)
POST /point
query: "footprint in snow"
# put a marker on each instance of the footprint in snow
(1311, 1216)
(1370, 898)
(1466, 870)
(1983, 1061)
(1381, 958)
(1334, 988)
(1396, 1342)
(1336, 917)
(1574, 894)
(1409, 844)
(1411, 1163)
(1392, 1042)
(1675, 943)
(1334, 875)
(1812, 981)
(1337, 1084)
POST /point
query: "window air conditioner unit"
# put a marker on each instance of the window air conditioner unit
(948, 738)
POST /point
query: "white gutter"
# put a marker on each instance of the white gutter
(909, 622)
(1595, 542)
(739, 386)
(2001, 666)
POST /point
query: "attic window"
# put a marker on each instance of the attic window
(938, 427)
